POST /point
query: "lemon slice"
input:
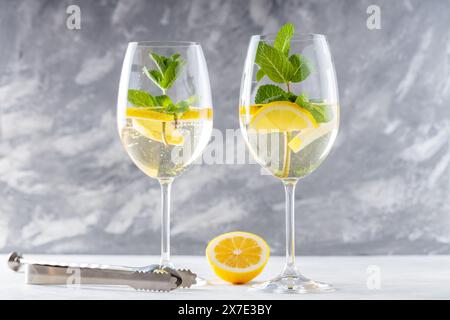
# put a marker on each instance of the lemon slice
(197, 114)
(148, 114)
(160, 126)
(251, 110)
(191, 114)
(282, 116)
(306, 136)
(160, 131)
(238, 257)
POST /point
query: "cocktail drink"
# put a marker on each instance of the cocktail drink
(289, 116)
(164, 114)
(161, 146)
(287, 140)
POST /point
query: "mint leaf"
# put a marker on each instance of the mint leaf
(189, 101)
(302, 100)
(160, 61)
(140, 98)
(167, 70)
(183, 105)
(153, 75)
(281, 97)
(283, 40)
(169, 107)
(321, 113)
(169, 76)
(274, 64)
(326, 110)
(268, 91)
(179, 107)
(163, 101)
(260, 74)
(164, 76)
(291, 97)
(176, 57)
(301, 67)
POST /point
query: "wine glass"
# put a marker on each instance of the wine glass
(164, 114)
(289, 117)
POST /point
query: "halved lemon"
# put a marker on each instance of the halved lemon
(238, 257)
(282, 116)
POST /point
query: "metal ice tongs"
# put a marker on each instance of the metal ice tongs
(150, 278)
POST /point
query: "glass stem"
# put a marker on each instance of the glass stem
(166, 185)
(290, 268)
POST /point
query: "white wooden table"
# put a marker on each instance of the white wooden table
(399, 277)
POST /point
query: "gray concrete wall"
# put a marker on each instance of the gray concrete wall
(67, 185)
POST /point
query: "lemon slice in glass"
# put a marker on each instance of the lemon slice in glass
(306, 136)
(282, 116)
(160, 126)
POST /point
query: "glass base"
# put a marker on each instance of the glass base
(292, 284)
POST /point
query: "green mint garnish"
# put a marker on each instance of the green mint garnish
(141, 98)
(321, 113)
(282, 43)
(164, 76)
(302, 67)
(275, 63)
(283, 40)
(167, 70)
(267, 93)
(260, 74)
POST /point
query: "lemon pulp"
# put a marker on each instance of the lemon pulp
(237, 257)
(162, 127)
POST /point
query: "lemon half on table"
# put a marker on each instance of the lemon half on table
(237, 257)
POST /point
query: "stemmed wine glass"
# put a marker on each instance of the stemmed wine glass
(289, 117)
(164, 114)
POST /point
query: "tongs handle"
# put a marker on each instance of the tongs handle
(62, 275)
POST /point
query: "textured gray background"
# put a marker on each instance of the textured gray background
(66, 184)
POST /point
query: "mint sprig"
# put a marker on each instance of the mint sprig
(320, 112)
(302, 67)
(167, 70)
(162, 103)
(275, 63)
(164, 76)
(283, 40)
(269, 93)
(140, 98)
